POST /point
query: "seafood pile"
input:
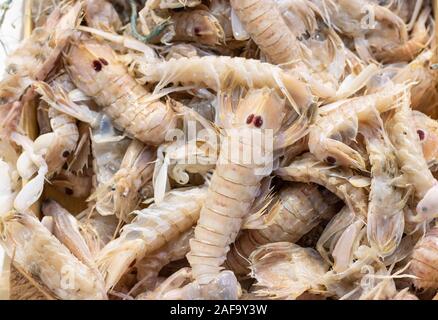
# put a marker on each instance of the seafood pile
(221, 149)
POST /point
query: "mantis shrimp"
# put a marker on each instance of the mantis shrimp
(122, 172)
(339, 180)
(46, 155)
(406, 141)
(62, 141)
(297, 209)
(151, 229)
(197, 25)
(95, 69)
(47, 261)
(385, 221)
(306, 45)
(221, 73)
(332, 132)
(261, 20)
(236, 181)
(41, 49)
(122, 193)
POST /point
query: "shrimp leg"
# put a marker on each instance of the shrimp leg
(331, 133)
(338, 180)
(385, 211)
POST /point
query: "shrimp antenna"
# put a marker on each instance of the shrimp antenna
(154, 33)
(4, 8)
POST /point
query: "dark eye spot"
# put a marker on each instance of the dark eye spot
(118, 7)
(330, 160)
(424, 209)
(197, 31)
(421, 134)
(66, 153)
(258, 121)
(97, 65)
(68, 191)
(249, 119)
(104, 62)
(65, 166)
(113, 189)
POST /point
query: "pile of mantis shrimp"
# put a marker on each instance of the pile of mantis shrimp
(105, 102)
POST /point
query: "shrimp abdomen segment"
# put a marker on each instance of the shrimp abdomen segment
(424, 261)
(236, 181)
(219, 73)
(266, 26)
(221, 219)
